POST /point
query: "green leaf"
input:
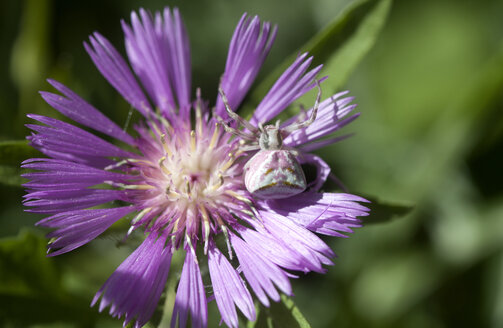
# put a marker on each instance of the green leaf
(11, 176)
(31, 284)
(381, 212)
(29, 271)
(340, 46)
(12, 153)
(284, 314)
(362, 27)
(15, 151)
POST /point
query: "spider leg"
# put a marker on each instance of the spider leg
(306, 123)
(249, 147)
(234, 131)
(235, 116)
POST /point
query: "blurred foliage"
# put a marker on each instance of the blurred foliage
(429, 84)
(283, 314)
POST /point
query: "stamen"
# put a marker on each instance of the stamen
(166, 124)
(238, 196)
(126, 161)
(192, 250)
(173, 236)
(187, 186)
(226, 237)
(140, 215)
(161, 165)
(218, 184)
(206, 226)
(199, 114)
(132, 187)
(165, 145)
(116, 165)
(228, 163)
(216, 134)
(193, 141)
(156, 129)
(226, 234)
(172, 195)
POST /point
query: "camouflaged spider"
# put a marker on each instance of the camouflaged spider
(274, 171)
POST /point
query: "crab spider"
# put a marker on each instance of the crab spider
(274, 171)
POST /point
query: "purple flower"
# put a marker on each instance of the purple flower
(182, 178)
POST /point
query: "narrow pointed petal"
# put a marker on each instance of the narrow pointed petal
(250, 45)
(331, 117)
(190, 296)
(115, 69)
(310, 246)
(77, 109)
(78, 227)
(260, 273)
(291, 85)
(322, 169)
(77, 199)
(134, 289)
(177, 51)
(159, 53)
(229, 289)
(325, 213)
(64, 137)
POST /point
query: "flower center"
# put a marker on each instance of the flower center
(188, 177)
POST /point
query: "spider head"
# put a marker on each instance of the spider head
(270, 137)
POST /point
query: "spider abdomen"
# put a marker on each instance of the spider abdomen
(274, 174)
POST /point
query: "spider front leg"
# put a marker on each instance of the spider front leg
(235, 116)
(234, 131)
(306, 123)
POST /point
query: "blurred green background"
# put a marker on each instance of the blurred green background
(430, 91)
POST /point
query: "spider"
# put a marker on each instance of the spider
(274, 171)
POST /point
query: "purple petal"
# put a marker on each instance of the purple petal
(229, 289)
(81, 112)
(248, 49)
(78, 227)
(134, 289)
(158, 58)
(322, 169)
(275, 250)
(308, 245)
(63, 137)
(326, 213)
(292, 84)
(65, 174)
(260, 272)
(312, 146)
(115, 69)
(329, 119)
(76, 199)
(190, 296)
(177, 51)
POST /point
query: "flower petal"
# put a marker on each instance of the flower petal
(69, 139)
(76, 108)
(260, 272)
(292, 84)
(134, 289)
(229, 289)
(248, 49)
(190, 296)
(159, 53)
(309, 246)
(330, 118)
(78, 227)
(322, 169)
(325, 213)
(115, 69)
(177, 52)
